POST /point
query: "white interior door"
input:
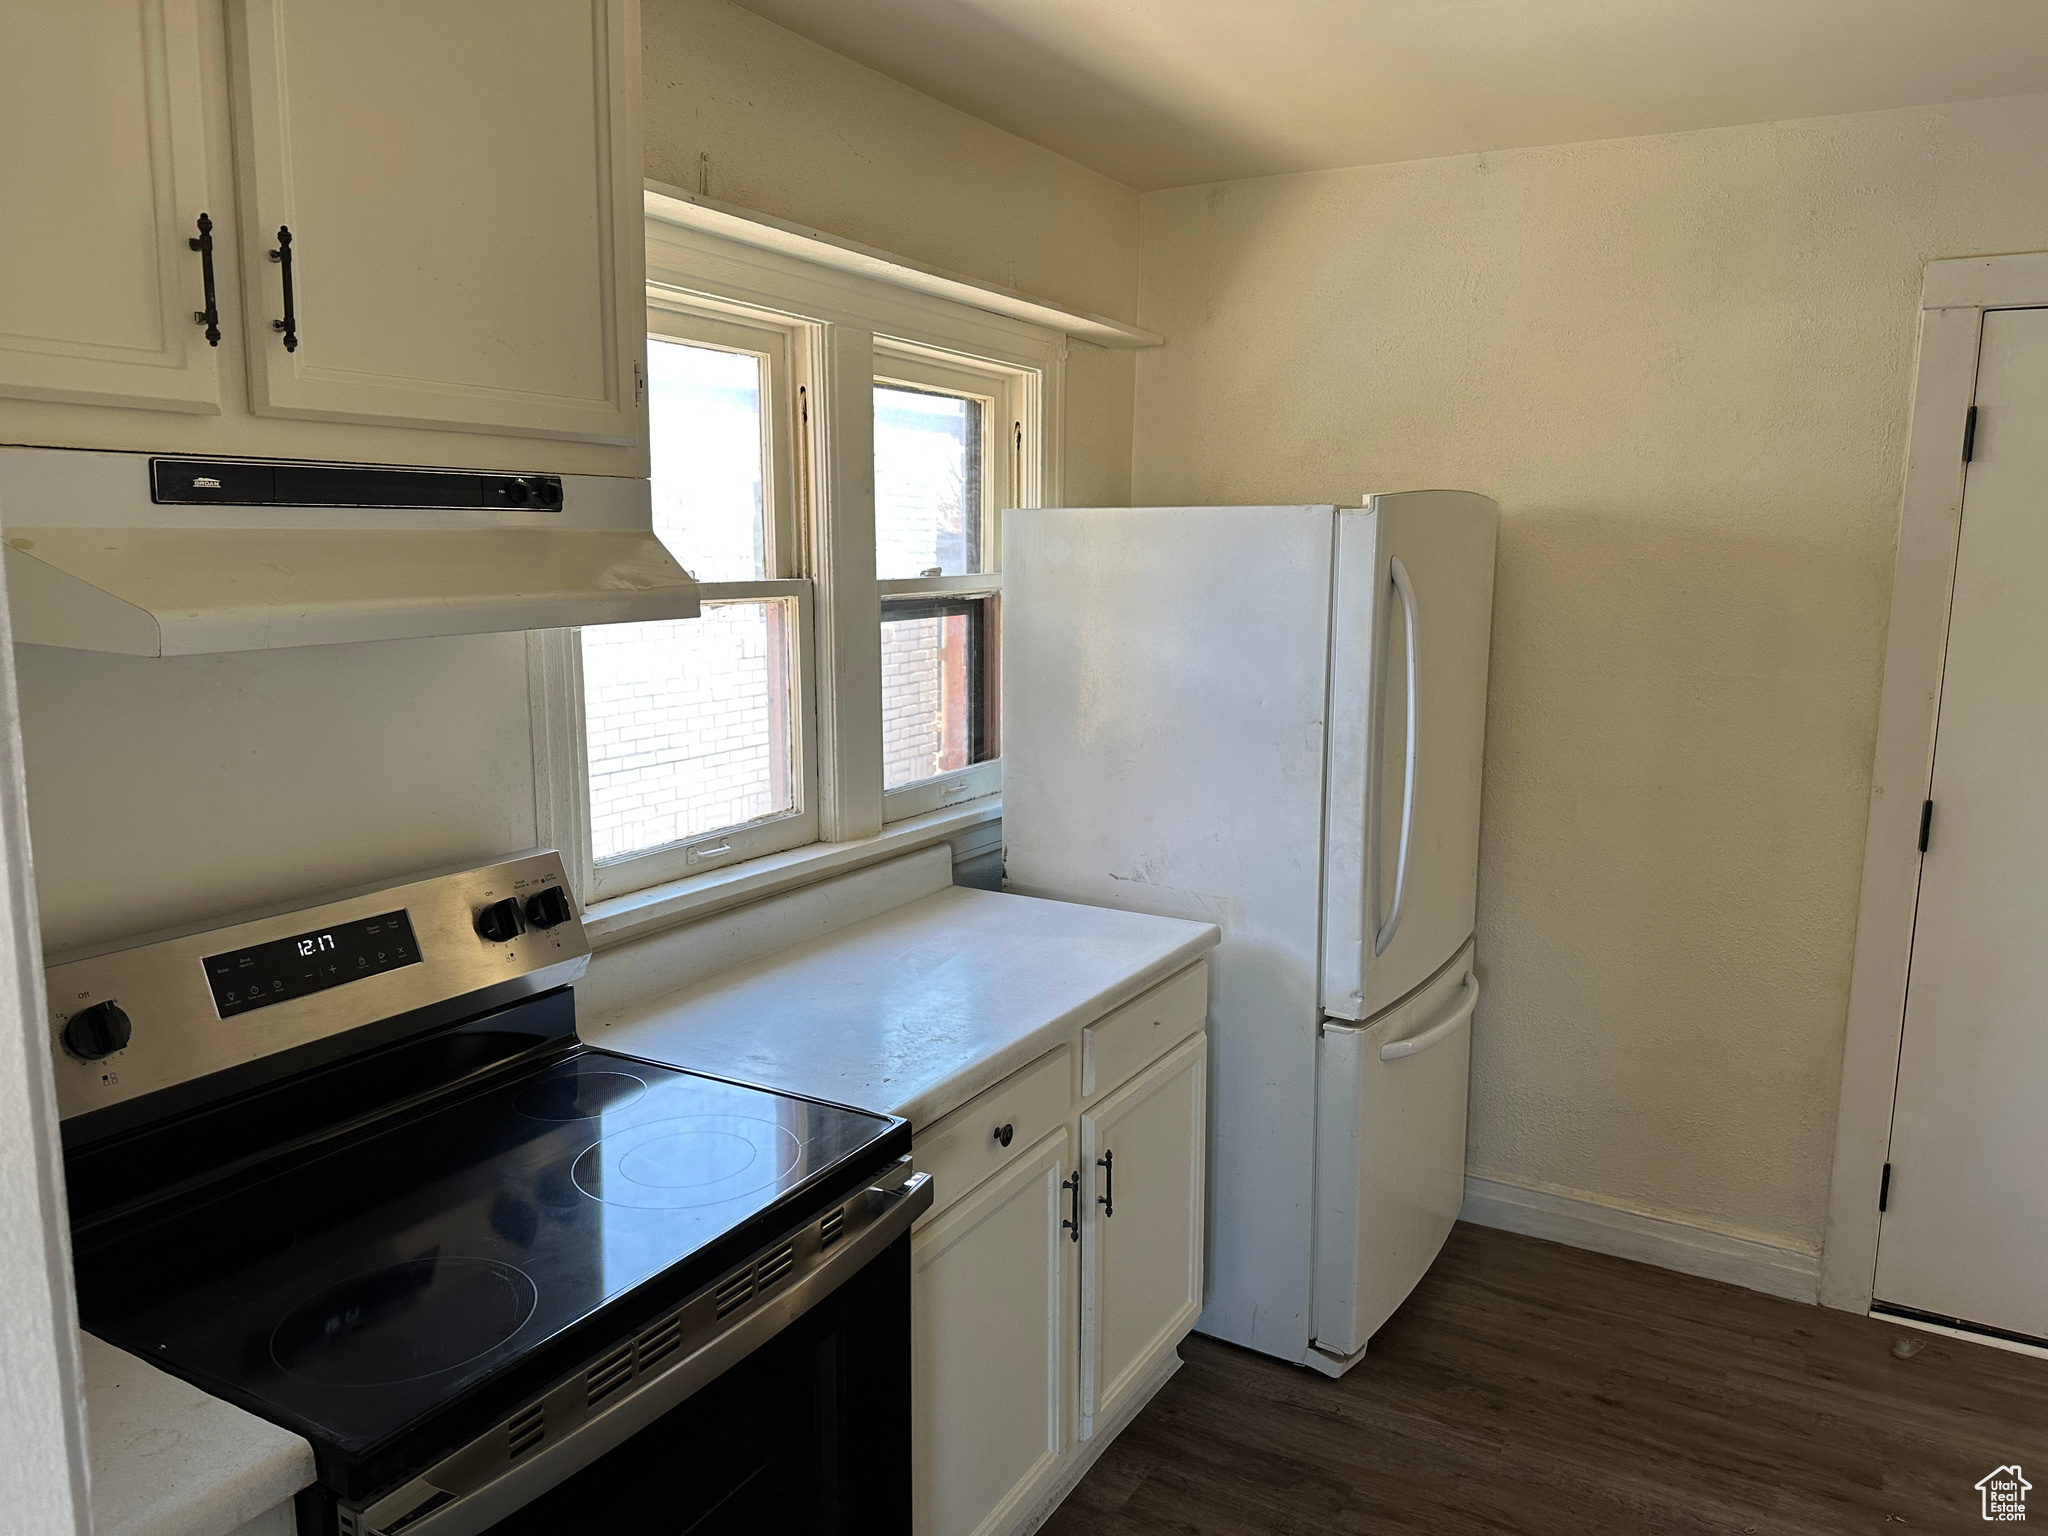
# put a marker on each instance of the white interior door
(1141, 1285)
(423, 294)
(1410, 631)
(1965, 1230)
(103, 178)
(992, 1335)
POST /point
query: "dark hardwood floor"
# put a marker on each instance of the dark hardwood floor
(1529, 1387)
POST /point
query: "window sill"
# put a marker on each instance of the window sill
(619, 918)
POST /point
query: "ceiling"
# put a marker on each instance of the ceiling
(1162, 93)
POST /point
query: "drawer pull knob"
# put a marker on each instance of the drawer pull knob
(1107, 1199)
(1003, 1133)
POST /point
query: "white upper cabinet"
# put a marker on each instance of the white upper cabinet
(103, 174)
(461, 185)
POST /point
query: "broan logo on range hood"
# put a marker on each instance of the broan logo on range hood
(158, 556)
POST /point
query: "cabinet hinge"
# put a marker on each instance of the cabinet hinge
(639, 384)
(1970, 435)
(1926, 822)
(1884, 1189)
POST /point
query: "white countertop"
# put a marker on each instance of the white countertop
(168, 1460)
(915, 1010)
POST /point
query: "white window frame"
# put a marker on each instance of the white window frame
(841, 331)
(1007, 400)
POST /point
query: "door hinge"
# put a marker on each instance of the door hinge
(1926, 822)
(1884, 1189)
(1970, 435)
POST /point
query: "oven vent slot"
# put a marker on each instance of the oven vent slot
(831, 1228)
(736, 1292)
(659, 1341)
(419, 1512)
(527, 1431)
(775, 1266)
(608, 1375)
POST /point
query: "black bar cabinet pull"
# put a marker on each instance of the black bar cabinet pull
(209, 316)
(1107, 1199)
(1073, 1228)
(283, 257)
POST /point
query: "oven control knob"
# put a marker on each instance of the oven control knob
(518, 492)
(500, 922)
(549, 908)
(547, 495)
(97, 1031)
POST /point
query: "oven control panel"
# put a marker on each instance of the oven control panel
(202, 1010)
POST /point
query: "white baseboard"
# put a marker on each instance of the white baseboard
(1583, 1221)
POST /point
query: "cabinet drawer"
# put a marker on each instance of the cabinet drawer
(1143, 1030)
(963, 1149)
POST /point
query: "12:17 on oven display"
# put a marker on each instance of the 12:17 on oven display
(282, 969)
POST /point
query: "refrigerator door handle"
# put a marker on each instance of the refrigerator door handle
(1406, 590)
(1394, 1050)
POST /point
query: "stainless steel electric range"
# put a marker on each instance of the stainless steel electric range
(348, 1166)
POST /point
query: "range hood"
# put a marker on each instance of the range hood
(153, 555)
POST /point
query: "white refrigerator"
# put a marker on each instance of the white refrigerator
(1273, 719)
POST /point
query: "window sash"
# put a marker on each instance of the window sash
(781, 350)
(706, 851)
(1009, 400)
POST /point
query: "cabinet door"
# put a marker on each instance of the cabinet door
(1141, 1249)
(103, 178)
(992, 1323)
(461, 181)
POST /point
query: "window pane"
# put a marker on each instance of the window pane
(688, 722)
(705, 425)
(927, 483)
(934, 689)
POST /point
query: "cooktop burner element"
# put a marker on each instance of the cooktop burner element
(671, 1165)
(570, 1094)
(404, 1321)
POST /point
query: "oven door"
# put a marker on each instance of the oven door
(793, 1419)
(809, 1433)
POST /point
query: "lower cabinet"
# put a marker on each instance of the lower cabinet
(1141, 1245)
(992, 1320)
(1060, 1267)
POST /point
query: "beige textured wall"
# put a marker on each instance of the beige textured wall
(1683, 366)
(161, 791)
(744, 111)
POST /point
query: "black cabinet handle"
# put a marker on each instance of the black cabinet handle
(1107, 1199)
(1073, 1228)
(283, 257)
(1003, 1133)
(209, 316)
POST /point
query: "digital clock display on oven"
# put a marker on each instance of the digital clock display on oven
(305, 963)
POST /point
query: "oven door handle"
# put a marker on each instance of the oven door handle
(479, 1485)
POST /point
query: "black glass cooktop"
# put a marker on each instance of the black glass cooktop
(421, 1278)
